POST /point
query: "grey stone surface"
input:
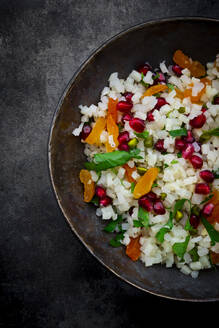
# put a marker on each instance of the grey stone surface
(48, 279)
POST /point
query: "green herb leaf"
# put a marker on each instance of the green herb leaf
(137, 224)
(104, 161)
(179, 155)
(95, 200)
(216, 174)
(166, 165)
(170, 86)
(143, 135)
(179, 205)
(143, 216)
(156, 76)
(154, 185)
(213, 234)
(116, 241)
(206, 135)
(194, 254)
(180, 248)
(189, 227)
(132, 187)
(110, 227)
(207, 199)
(166, 228)
(178, 132)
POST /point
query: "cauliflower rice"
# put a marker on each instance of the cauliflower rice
(169, 223)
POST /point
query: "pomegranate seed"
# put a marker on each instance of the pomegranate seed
(188, 151)
(216, 100)
(202, 189)
(160, 78)
(105, 201)
(150, 116)
(86, 130)
(128, 96)
(177, 70)
(152, 196)
(123, 137)
(189, 138)
(160, 102)
(131, 210)
(204, 109)
(180, 144)
(124, 106)
(145, 203)
(196, 161)
(194, 221)
(207, 176)
(198, 121)
(137, 124)
(159, 145)
(100, 192)
(208, 209)
(159, 208)
(124, 147)
(144, 68)
(126, 117)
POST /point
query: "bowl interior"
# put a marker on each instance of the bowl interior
(152, 42)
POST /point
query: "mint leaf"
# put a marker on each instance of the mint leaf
(179, 155)
(104, 161)
(116, 241)
(166, 228)
(207, 199)
(194, 254)
(132, 187)
(137, 224)
(213, 234)
(110, 227)
(189, 227)
(180, 248)
(179, 205)
(143, 135)
(170, 86)
(143, 216)
(178, 132)
(216, 174)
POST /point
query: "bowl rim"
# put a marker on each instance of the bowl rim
(60, 102)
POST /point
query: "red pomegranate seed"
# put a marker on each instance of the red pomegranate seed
(189, 138)
(159, 208)
(194, 221)
(216, 101)
(126, 117)
(150, 116)
(180, 144)
(196, 161)
(159, 145)
(152, 196)
(160, 102)
(86, 130)
(208, 209)
(105, 201)
(207, 176)
(124, 106)
(160, 78)
(137, 124)
(202, 189)
(145, 203)
(100, 192)
(188, 151)
(144, 68)
(128, 96)
(198, 121)
(177, 70)
(124, 147)
(204, 109)
(123, 137)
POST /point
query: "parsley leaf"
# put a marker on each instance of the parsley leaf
(143, 135)
(143, 216)
(213, 234)
(166, 228)
(178, 132)
(110, 227)
(180, 248)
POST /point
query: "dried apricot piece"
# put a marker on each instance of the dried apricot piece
(113, 130)
(94, 136)
(133, 249)
(112, 110)
(155, 89)
(145, 183)
(214, 217)
(89, 185)
(214, 257)
(181, 59)
(197, 69)
(128, 172)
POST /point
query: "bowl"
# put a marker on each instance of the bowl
(152, 41)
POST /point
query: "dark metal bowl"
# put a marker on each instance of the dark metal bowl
(152, 42)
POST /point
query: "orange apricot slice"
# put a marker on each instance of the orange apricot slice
(145, 183)
(89, 185)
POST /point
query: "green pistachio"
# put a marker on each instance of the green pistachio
(133, 143)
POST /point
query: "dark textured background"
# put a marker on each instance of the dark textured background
(48, 279)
